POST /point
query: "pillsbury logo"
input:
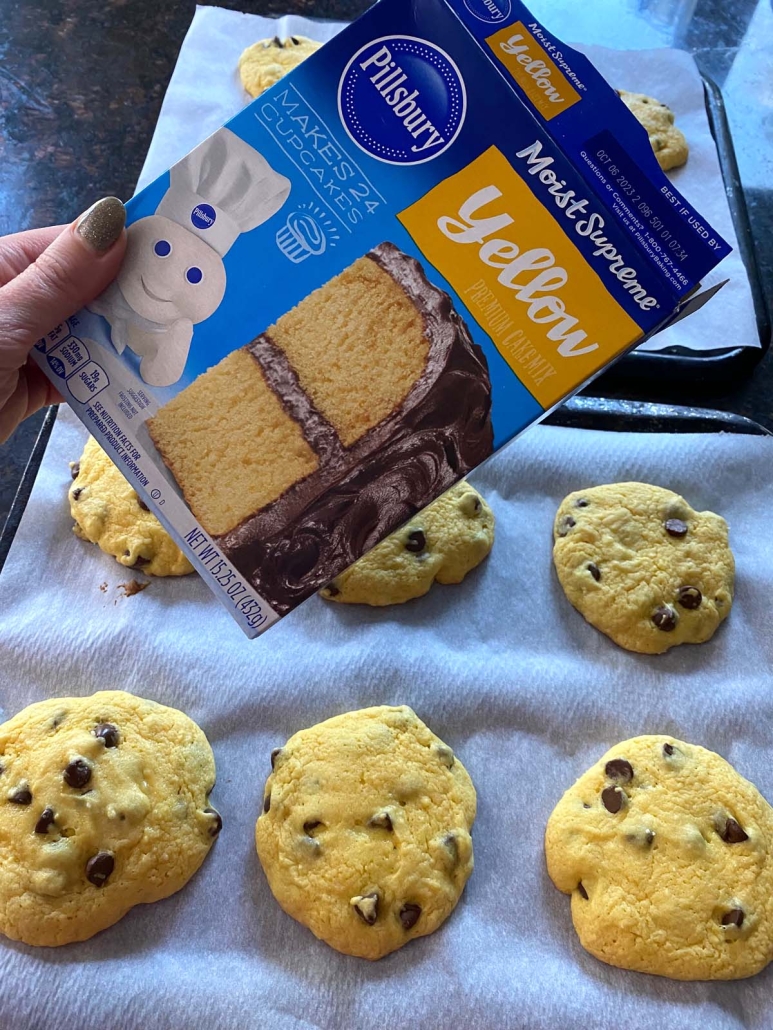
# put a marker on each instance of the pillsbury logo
(490, 11)
(203, 216)
(402, 100)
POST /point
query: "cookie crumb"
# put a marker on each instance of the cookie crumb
(103, 587)
(132, 587)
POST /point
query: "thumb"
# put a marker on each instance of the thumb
(80, 263)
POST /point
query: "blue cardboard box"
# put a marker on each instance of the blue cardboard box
(381, 271)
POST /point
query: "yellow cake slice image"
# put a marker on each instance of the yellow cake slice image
(358, 407)
(225, 473)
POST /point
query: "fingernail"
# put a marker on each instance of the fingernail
(102, 224)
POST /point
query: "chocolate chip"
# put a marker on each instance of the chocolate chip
(381, 821)
(141, 562)
(311, 824)
(366, 907)
(142, 503)
(445, 754)
(732, 832)
(689, 597)
(675, 527)
(566, 523)
(733, 918)
(451, 843)
(274, 755)
(294, 41)
(668, 750)
(594, 570)
(332, 590)
(409, 915)
(58, 719)
(107, 733)
(581, 889)
(643, 838)
(582, 502)
(75, 469)
(619, 769)
(266, 802)
(277, 42)
(75, 494)
(77, 773)
(613, 799)
(45, 821)
(217, 821)
(22, 796)
(665, 618)
(99, 868)
(476, 504)
(416, 541)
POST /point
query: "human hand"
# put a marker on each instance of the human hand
(46, 275)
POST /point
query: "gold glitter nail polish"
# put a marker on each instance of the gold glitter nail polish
(102, 224)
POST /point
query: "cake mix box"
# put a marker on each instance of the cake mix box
(377, 274)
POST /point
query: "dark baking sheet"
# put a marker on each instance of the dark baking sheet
(578, 413)
(622, 416)
(665, 371)
(25, 485)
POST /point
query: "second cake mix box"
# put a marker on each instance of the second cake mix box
(387, 266)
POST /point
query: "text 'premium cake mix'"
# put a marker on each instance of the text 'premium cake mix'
(389, 264)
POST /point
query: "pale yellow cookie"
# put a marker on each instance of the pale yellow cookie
(265, 62)
(642, 566)
(443, 542)
(108, 512)
(667, 853)
(668, 142)
(103, 806)
(365, 831)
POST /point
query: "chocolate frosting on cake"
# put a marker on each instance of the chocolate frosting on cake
(441, 431)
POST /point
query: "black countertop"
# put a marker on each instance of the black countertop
(82, 81)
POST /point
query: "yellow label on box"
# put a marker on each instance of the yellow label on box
(523, 280)
(531, 67)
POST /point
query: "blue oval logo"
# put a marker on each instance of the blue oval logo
(402, 100)
(57, 366)
(203, 216)
(490, 11)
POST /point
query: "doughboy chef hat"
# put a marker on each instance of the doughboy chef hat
(221, 189)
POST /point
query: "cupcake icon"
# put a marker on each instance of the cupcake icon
(301, 237)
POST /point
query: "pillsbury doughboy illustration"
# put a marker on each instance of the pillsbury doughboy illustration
(173, 276)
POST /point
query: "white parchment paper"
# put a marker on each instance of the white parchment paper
(205, 91)
(501, 667)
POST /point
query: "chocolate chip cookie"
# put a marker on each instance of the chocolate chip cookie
(668, 142)
(667, 853)
(103, 806)
(364, 835)
(442, 543)
(265, 62)
(642, 566)
(108, 512)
